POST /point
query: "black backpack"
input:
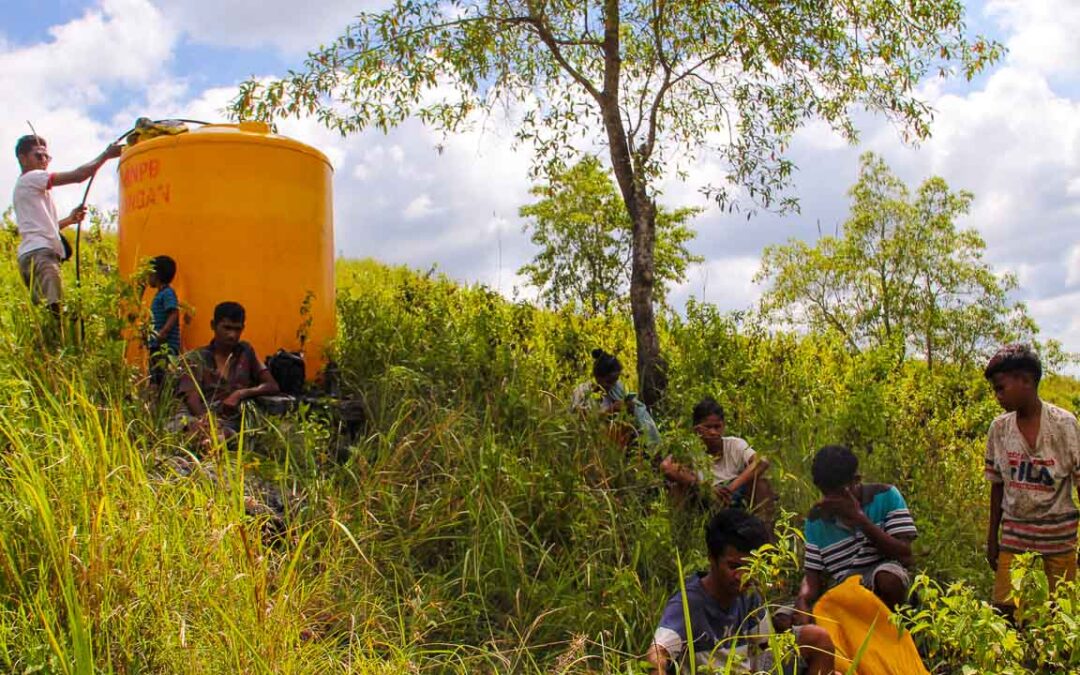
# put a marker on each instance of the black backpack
(288, 370)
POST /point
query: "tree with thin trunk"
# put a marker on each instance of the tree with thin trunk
(900, 273)
(658, 83)
(585, 242)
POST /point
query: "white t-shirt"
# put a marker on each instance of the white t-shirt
(734, 459)
(35, 213)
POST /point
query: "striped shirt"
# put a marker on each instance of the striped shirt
(837, 551)
(1038, 513)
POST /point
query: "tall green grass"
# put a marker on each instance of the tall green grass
(474, 526)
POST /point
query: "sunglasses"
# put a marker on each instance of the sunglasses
(43, 156)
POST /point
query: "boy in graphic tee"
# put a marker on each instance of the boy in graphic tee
(1033, 465)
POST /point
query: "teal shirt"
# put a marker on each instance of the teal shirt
(835, 550)
(646, 426)
(164, 303)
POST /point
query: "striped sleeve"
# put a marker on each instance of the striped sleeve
(992, 471)
(898, 520)
(812, 558)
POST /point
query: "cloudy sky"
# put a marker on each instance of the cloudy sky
(83, 70)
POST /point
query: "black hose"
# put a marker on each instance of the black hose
(82, 205)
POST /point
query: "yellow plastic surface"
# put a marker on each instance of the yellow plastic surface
(248, 216)
(849, 612)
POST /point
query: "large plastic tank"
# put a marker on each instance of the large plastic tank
(248, 216)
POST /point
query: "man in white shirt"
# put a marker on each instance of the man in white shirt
(40, 247)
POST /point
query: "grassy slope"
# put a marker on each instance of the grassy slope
(475, 527)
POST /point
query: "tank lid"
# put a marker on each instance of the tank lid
(244, 132)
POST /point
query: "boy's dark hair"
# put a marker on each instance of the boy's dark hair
(233, 311)
(27, 143)
(705, 408)
(604, 363)
(834, 467)
(164, 268)
(1015, 358)
(735, 528)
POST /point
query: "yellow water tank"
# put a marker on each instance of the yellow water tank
(248, 216)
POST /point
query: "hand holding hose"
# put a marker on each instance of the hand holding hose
(75, 217)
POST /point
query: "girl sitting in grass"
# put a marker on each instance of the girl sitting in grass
(607, 394)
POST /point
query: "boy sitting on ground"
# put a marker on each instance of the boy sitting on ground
(737, 471)
(215, 379)
(725, 616)
(1033, 465)
(856, 529)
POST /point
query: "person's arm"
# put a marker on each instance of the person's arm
(267, 386)
(997, 494)
(848, 509)
(809, 591)
(658, 657)
(894, 547)
(86, 170)
(170, 323)
(195, 402)
(76, 216)
(190, 391)
(754, 468)
(188, 384)
(678, 473)
(817, 650)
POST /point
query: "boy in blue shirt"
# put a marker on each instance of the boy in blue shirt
(730, 623)
(164, 343)
(856, 529)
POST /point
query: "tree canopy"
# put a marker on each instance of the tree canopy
(585, 238)
(900, 271)
(659, 83)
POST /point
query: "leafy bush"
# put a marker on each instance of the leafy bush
(476, 525)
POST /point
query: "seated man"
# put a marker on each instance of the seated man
(218, 377)
(857, 529)
(724, 615)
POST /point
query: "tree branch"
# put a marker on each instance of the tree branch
(543, 31)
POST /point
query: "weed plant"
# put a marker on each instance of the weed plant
(475, 525)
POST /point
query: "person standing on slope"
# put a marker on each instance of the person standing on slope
(41, 248)
(1033, 465)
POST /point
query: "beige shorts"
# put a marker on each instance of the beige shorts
(40, 270)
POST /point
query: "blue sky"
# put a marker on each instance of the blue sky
(87, 68)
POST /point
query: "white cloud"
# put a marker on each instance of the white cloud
(1061, 319)
(291, 26)
(419, 208)
(415, 197)
(1073, 266)
(116, 44)
(1042, 33)
(119, 42)
(727, 283)
(1016, 145)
